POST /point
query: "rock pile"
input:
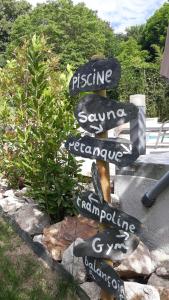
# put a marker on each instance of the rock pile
(145, 272)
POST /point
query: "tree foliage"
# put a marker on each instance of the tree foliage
(135, 32)
(140, 55)
(140, 77)
(9, 11)
(130, 54)
(155, 30)
(74, 31)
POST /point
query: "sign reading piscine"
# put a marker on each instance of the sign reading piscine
(111, 244)
(121, 153)
(105, 277)
(95, 75)
(97, 114)
(89, 206)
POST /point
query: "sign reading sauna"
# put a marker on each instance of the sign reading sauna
(109, 113)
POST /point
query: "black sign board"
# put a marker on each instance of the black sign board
(89, 206)
(97, 114)
(95, 75)
(111, 244)
(105, 277)
(116, 151)
(96, 182)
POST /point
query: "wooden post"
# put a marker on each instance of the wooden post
(138, 126)
(103, 168)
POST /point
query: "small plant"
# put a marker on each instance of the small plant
(36, 118)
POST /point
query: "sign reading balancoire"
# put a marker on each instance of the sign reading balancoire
(119, 152)
(97, 114)
(105, 277)
(95, 75)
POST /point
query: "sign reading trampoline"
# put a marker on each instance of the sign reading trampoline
(89, 206)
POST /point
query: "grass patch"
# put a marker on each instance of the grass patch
(22, 275)
(67, 290)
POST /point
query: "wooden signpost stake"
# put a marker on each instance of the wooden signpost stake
(96, 117)
(103, 168)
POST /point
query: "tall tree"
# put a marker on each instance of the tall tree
(74, 31)
(135, 32)
(9, 11)
(155, 30)
(131, 55)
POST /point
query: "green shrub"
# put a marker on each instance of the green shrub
(145, 81)
(36, 118)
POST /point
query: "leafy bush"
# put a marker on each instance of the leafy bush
(36, 118)
(146, 81)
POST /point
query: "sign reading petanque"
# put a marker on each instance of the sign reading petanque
(98, 114)
(121, 153)
(95, 75)
(111, 244)
(96, 182)
(89, 206)
(105, 277)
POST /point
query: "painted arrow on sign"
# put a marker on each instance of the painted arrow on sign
(117, 151)
(97, 114)
(95, 75)
(112, 244)
(92, 199)
(105, 277)
(105, 214)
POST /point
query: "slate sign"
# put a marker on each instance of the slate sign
(121, 153)
(95, 75)
(105, 277)
(97, 114)
(111, 244)
(89, 206)
(96, 182)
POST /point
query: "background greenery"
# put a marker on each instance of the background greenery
(39, 49)
(75, 33)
